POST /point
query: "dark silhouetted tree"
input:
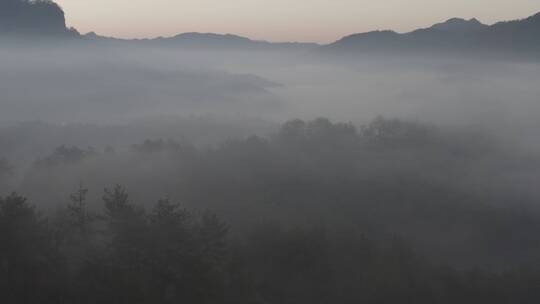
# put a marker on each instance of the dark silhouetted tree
(31, 269)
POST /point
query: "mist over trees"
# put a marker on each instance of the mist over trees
(425, 183)
(213, 168)
(168, 253)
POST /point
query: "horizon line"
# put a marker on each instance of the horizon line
(139, 38)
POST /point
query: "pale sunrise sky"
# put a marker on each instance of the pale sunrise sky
(279, 20)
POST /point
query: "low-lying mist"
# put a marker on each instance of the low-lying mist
(84, 113)
(416, 162)
(88, 83)
(440, 187)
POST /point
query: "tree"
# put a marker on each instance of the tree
(65, 155)
(395, 131)
(124, 263)
(31, 268)
(290, 266)
(78, 213)
(188, 253)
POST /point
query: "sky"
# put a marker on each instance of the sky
(279, 20)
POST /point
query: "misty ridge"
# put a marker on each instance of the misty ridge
(212, 168)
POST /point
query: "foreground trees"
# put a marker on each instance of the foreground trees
(312, 215)
(172, 255)
(31, 267)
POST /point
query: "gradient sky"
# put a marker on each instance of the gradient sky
(279, 20)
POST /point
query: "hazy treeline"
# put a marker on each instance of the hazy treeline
(460, 194)
(169, 254)
(162, 171)
(315, 212)
(22, 143)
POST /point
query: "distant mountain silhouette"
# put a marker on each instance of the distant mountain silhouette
(208, 41)
(519, 36)
(32, 17)
(515, 35)
(44, 18)
(460, 26)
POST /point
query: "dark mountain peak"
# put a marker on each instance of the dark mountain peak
(379, 33)
(211, 36)
(32, 17)
(516, 35)
(203, 41)
(368, 40)
(92, 35)
(206, 40)
(534, 18)
(225, 41)
(459, 25)
(454, 35)
(373, 35)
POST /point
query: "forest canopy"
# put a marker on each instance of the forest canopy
(315, 212)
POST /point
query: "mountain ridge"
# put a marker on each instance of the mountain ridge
(31, 20)
(197, 40)
(520, 36)
(460, 25)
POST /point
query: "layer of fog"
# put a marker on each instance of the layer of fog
(112, 85)
(119, 85)
(127, 95)
(472, 142)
